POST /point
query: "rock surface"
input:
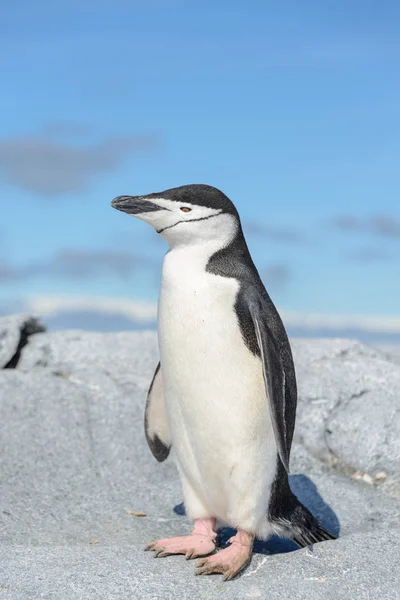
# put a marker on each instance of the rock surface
(74, 462)
(349, 407)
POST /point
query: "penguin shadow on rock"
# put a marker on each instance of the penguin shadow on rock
(306, 491)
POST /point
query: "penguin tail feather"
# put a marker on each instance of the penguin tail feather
(302, 527)
(306, 530)
(318, 534)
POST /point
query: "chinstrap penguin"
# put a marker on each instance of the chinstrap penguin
(223, 396)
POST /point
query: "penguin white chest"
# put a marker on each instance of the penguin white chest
(214, 390)
(207, 367)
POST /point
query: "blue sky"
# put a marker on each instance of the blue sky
(291, 108)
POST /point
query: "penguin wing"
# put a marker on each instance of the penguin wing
(155, 419)
(278, 372)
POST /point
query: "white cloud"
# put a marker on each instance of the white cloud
(373, 324)
(43, 305)
(142, 311)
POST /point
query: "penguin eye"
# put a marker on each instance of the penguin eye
(185, 209)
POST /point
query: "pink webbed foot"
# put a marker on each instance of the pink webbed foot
(230, 561)
(199, 543)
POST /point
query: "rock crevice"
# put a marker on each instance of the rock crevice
(14, 336)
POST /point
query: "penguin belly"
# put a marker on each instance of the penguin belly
(215, 398)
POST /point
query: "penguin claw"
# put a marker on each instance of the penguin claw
(208, 569)
(201, 563)
(150, 546)
(229, 575)
(191, 546)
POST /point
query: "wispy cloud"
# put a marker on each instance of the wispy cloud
(6, 272)
(331, 322)
(368, 255)
(276, 275)
(65, 128)
(387, 226)
(50, 166)
(345, 223)
(276, 234)
(43, 305)
(76, 264)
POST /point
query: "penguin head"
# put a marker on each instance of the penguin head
(184, 215)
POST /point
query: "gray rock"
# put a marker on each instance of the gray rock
(14, 331)
(392, 351)
(74, 461)
(349, 407)
(73, 456)
(343, 504)
(362, 567)
(124, 356)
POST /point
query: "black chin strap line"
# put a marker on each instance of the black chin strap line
(188, 221)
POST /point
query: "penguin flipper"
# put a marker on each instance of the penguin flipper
(156, 425)
(274, 380)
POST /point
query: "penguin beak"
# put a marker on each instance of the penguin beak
(134, 205)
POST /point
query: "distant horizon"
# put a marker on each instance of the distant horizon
(122, 314)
